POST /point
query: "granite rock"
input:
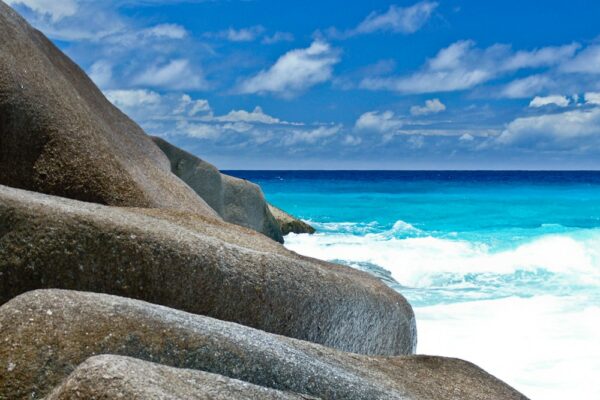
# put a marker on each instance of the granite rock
(46, 334)
(197, 264)
(60, 135)
(236, 200)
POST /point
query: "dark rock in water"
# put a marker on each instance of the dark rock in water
(60, 135)
(288, 223)
(197, 264)
(117, 377)
(47, 334)
(236, 200)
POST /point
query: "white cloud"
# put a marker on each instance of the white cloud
(192, 107)
(592, 98)
(238, 35)
(101, 73)
(433, 106)
(350, 140)
(55, 9)
(170, 31)
(463, 66)
(526, 87)
(541, 101)
(381, 122)
(278, 37)
(132, 98)
(397, 19)
(568, 130)
(586, 61)
(176, 75)
(311, 136)
(256, 116)
(295, 71)
(198, 130)
(467, 137)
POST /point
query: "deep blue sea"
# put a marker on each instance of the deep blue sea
(502, 268)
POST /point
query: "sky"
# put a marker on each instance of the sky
(271, 84)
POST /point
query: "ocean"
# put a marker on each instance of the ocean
(502, 268)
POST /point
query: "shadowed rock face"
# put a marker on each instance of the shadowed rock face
(116, 377)
(197, 264)
(46, 334)
(288, 223)
(236, 200)
(59, 134)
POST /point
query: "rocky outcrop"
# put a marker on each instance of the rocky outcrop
(117, 377)
(197, 264)
(236, 200)
(60, 135)
(46, 334)
(288, 223)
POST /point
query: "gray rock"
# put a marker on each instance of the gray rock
(47, 334)
(117, 377)
(236, 200)
(60, 135)
(245, 205)
(197, 264)
(288, 223)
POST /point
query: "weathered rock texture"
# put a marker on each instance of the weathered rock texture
(196, 264)
(60, 135)
(116, 377)
(46, 334)
(288, 223)
(236, 200)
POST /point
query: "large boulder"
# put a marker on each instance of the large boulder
(236, 200)
(47, 334)
(60, 135)
(288, 223)
(197, 264)
(116, 377)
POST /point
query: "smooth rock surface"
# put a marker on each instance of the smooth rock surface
(46, 334)
(197, 264)
(60, 135)
(288, 223)
(117, 377)
(236, 200)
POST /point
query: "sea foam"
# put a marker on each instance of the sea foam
(528, 314)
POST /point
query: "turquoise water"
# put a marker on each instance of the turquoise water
(502, 268)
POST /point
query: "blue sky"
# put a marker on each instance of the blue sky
(347, 85)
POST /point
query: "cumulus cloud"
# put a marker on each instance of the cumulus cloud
(573, 130)
(238, 35)
(541, 101)
(592, 98)
(55, 10)
(381, 122)
(463, 66)
(433, 106)
(295, 71)
(396, 19)
(256, 116)
(192, 107)
(175, 75)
